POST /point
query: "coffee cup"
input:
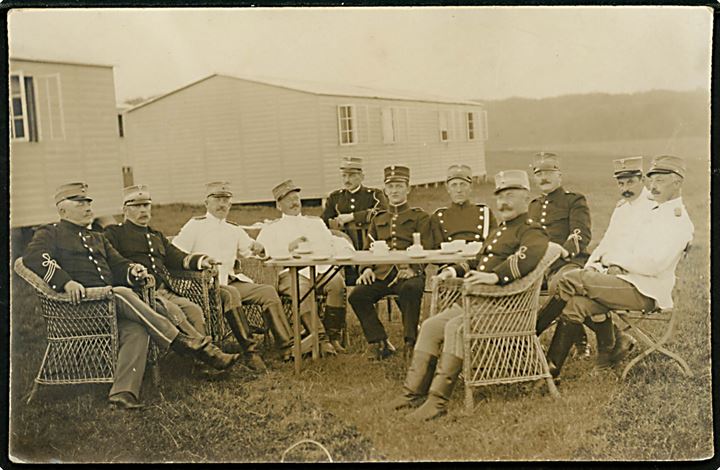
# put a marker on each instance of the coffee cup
(304, 247)
(447, 247)
(458, 245)
(379, 246)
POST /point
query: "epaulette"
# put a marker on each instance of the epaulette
(270, 221)
(480, 204)
(440, 209)
(232, 223)
(337, 191)
(200, 217)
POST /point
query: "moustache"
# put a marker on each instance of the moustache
(504, 207)
(544, 182)
(628, 193)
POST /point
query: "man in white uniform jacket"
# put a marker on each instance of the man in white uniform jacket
(638, 274)
(225, 241)
(292, 231)
(628, 217)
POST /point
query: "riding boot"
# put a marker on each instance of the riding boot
(548, 313)
(446, 376)
(417, 381)
(204, 350)
(279, 326)
(565, 336)
(334, 323)
(325, 347)
(582, 348)
(607, 355)
(240, 328)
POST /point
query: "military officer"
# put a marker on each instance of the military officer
(70, 258)
(566, 217)
(351, 208)
(138, 242)
(285, 235)
(396, 226)
(638, 274)
(514, 248)
(226, 242)
(462, 220)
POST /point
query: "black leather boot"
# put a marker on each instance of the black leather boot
(613, 345)
(204, 350)
(446, 376)
(334, 322)
(565, 336)
(241, 330)
(417, 381)
(326, 349)
(548, 313)
(279, 326)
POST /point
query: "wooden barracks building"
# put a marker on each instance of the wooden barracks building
(254, 134)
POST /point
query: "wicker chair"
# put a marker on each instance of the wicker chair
(82, 339)
(499, 329)
(202, 288)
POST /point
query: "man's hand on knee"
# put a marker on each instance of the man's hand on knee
(367, 277)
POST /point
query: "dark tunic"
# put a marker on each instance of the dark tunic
(467, 221)
(363, 204)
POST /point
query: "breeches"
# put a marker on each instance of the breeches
(443, 332)
(260, 294)
(180, 309)
(591, 294)
(555, 276)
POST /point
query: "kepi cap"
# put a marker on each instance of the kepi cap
(512, 179)
(667, 164)
(218, 188)
(283, 189)
(136, 195)
(351, 164)
(72, 191)
(397, 173)
(544, 161)
(632, 166)
(462, 172)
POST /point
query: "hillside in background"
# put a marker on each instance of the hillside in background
(519, 123)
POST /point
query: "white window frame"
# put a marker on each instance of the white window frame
(444, 125)
(471, 127)
(347, 135)
(23, 102)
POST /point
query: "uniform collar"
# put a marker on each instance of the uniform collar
(291, 217)
(671, 204)
(209, 216)
(398, 209)
(464, 205)
(553, 194)
(73, 226)
(519, 219)
(357, 190)
(132, 225)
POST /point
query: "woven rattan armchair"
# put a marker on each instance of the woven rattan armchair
(203, 289)
(82, 339)
(499, 328)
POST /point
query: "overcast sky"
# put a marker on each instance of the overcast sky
(485, 53)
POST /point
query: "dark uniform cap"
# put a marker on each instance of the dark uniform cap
(72, 191)
(283, 189)
(632, 166)
(397, 173)
(462, 172)
(351, 164)
(667, 164)
(545, 161)
(512, 179)
(218, 188)
(136, 195)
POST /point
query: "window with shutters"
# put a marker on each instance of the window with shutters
(347, 125)
(23, 111)
(471, 126)
(389, 125)
(50, 106)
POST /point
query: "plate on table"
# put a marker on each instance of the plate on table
(302, 252)
(448, 252)
(281, 257)
(344, 257)
(416, 254)
(319, 257)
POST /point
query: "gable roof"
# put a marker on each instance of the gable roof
(62, 62)
(324, 89)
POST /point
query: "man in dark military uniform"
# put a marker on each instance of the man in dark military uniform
(351, 208)
(513, 249)
(395, 226)
(462, 220)
(137, 241)
(70, 258)
(566, 217)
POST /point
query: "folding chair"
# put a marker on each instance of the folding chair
(82, 339)
(499, 329)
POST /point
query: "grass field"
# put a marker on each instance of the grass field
(657, 413)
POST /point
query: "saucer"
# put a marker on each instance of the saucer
(448, 252)
(281, 257)
(319, 257)
(343, 257)
(303, 252)
(416, 254)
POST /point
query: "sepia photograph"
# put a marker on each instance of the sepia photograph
(359, 234)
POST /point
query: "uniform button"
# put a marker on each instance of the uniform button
(352, 200)
(490, 255)
(352, 206)
(95, 261)
(54, 286)
(440, 214)
(481, 217)
(498, 234)
(477, 236)
(393, 233)
(449, 238)
(544, 226)
(479, 226)
(489, 247)
(485, 259)
(90, 249)
(506, 279)
(98, 268)
(102, 277)
(151, 250)
(542, 220)
(482, 267)
(504, 228)
(89, 257)
(147, 235)
(442, 221)
(544, 213)
(494, 240)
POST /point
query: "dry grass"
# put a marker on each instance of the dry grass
(657, 413)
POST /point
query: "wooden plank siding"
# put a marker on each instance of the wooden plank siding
(87, 150)
(255, 135)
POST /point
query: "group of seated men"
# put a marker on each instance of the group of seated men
(632, 267)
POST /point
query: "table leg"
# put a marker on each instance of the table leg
(315, 317)
(295, 296)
